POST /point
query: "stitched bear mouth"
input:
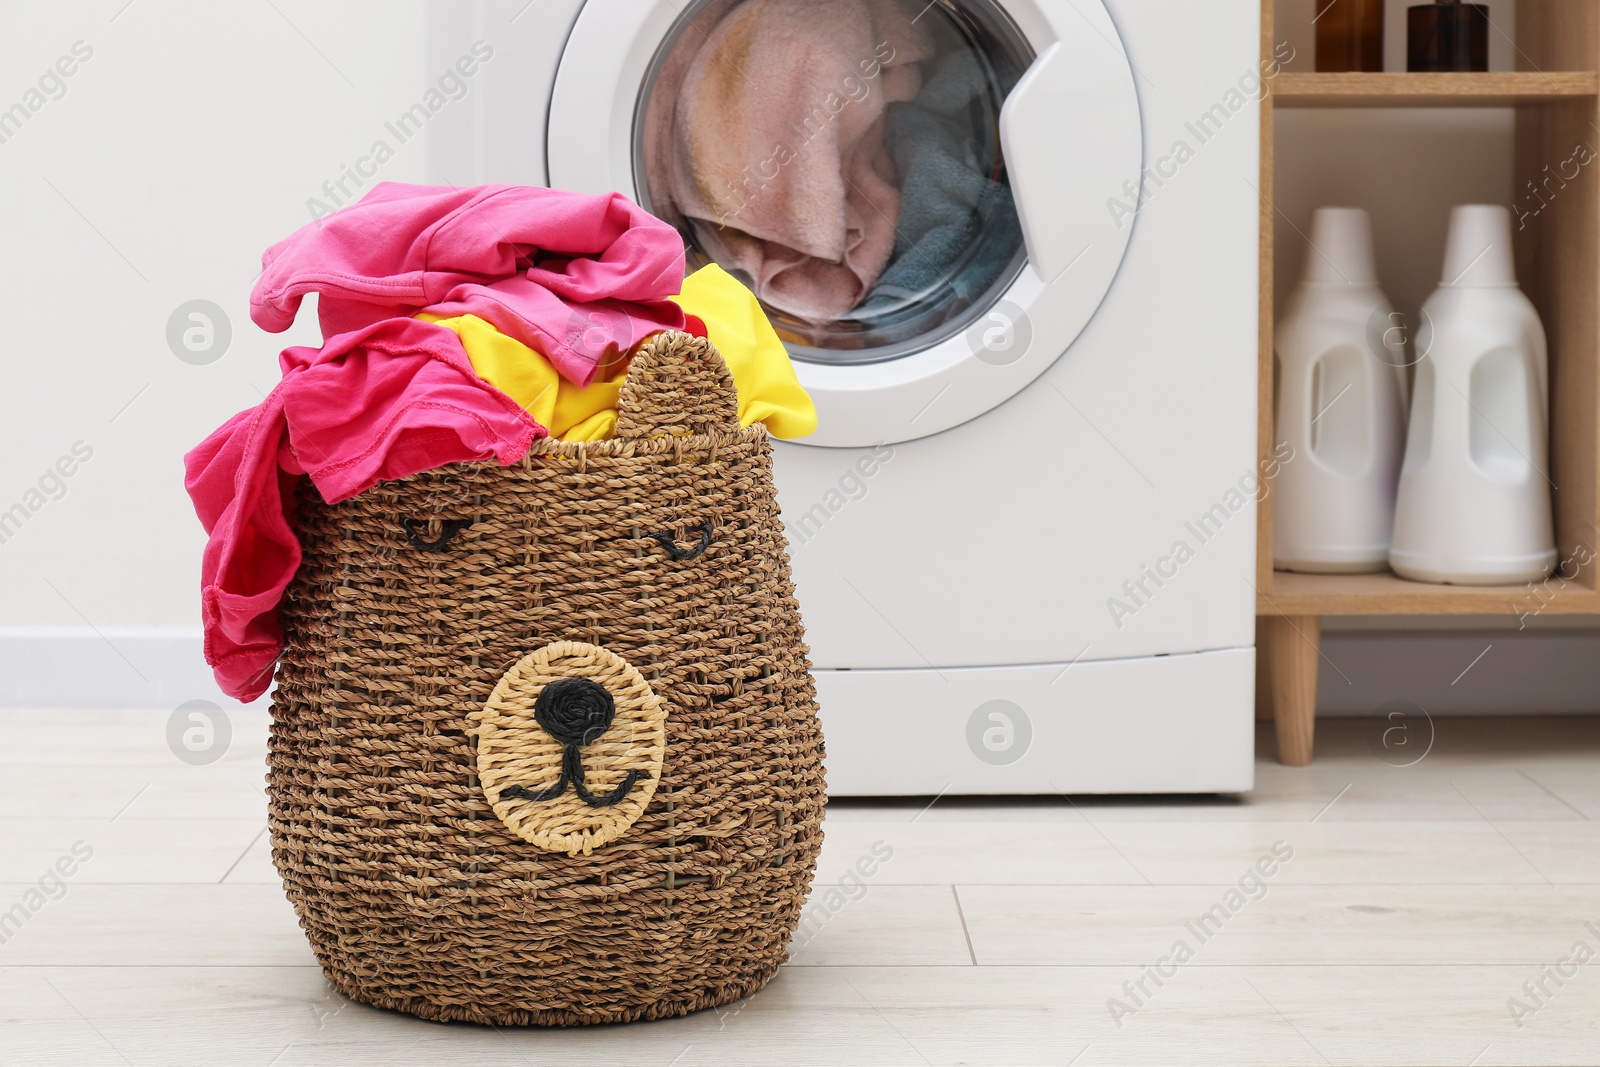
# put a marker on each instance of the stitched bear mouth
(574, 711)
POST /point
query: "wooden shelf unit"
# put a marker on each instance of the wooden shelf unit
(1556, 97)
(1389, 594)
(1431, 90)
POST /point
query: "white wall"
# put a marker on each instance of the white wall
(189, 141)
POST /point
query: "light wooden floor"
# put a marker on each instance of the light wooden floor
(1416, 904)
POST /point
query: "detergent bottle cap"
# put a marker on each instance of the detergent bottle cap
(1341, 248)
(1478, 250)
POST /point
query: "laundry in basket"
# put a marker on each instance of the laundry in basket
(544, 744)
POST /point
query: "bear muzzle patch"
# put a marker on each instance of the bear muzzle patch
(570, 747)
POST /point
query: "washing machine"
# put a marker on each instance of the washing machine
(1023, 534)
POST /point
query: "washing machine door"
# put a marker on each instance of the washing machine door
(930, 199)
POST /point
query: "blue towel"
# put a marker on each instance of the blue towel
(958, 227)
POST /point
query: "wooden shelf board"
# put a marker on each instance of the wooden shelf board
(1430, 90)
(1389, 594)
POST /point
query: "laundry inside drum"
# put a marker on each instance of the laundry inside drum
(842, 158)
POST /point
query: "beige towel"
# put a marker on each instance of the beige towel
(775, 145)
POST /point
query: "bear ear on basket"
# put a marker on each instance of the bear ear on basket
(677, 384)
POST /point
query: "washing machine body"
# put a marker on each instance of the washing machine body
(1024, 532)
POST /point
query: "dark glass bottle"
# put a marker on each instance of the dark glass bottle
(1447, 35)
(1350, 35)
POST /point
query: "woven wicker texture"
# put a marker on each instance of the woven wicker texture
(414, 893)
(514, 751)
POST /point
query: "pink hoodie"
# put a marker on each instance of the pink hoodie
(388, 395)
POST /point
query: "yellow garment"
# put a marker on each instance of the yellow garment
(769, 392)
(570, 412)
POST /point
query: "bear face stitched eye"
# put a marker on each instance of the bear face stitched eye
(448, 530)
(669, 541)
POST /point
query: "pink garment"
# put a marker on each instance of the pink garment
(376, 404)
(575, 277)
(578, 278)
(777, 144)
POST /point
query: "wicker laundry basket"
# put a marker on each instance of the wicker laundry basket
(544, 745)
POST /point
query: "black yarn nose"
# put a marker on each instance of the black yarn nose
(574, 711)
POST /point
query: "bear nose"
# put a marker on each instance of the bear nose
(571, 746)
(575, 711)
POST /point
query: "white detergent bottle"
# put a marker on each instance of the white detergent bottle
(1340, 406)
(1474, 506)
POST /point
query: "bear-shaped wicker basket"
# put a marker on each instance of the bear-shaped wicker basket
(544, 745)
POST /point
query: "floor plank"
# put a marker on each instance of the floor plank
(1379, 926)
(1412, 915)
(181, 925)
(844, 1015)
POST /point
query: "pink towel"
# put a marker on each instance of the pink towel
(578, 278)
(778, 145)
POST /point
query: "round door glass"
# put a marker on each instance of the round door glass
(842, 159)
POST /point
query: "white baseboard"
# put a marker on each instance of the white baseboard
(81, 667)
(1548, 672)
